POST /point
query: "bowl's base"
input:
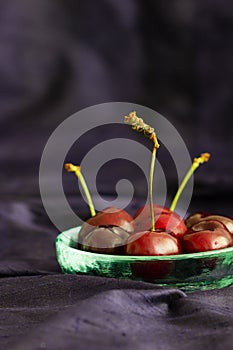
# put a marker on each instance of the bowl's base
(199, 286)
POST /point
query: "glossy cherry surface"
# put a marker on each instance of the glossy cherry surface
(145, 211)
(165, 219)
(105, 240)
(106, 232)
(199, 217)
(152, 243)
(109, 217)
(205, 240)
(205, 235)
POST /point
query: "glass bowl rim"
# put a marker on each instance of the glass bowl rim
(70, 232)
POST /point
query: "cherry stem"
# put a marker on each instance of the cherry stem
(204, 157)
(152, 166)
(76, 169)
(139, 125)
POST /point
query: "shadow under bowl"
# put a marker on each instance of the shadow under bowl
(188, 272)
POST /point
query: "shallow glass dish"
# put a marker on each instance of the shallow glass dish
(189, 272)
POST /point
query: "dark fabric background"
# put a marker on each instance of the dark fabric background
(175, 57)
(57, 57)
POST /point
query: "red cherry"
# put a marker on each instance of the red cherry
(152, 243)
(107, 240)
(158, 209)
(164, 219)
(206, 235)
(111, 216)
(210, 225)
(199, 217)
(194, 219)
(106, 232)
(206, 240)
(227, 222)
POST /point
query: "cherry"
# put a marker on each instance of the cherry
(165, 219)
(145, 211)
(156, 242)
(206, 235)
(108, 217)
(150, 243)
(199, 217)
(210, 225)
(227, 222)
(107, 240)
(202, 241)
(194, 219)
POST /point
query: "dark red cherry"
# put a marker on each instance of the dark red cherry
(199, 217)
(152, 243)
(205, 235)
(145, 211)
(165, 220)
(227, 222)
(105, 240)
(106, 232)
(194, 218)
(210, 225)
(205, 240)
(111, 216)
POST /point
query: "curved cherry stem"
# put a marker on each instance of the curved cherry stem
(204, 157)
(76, 169)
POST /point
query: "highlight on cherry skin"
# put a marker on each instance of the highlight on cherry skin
(107, 231)
(165, 219)
(154, 230)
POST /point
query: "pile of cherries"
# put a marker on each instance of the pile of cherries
(154, 230)
(114, 231)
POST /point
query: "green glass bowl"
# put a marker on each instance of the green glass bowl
(188, 272)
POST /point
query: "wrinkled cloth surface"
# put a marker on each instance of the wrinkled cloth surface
(67, 312)
(41, 308)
